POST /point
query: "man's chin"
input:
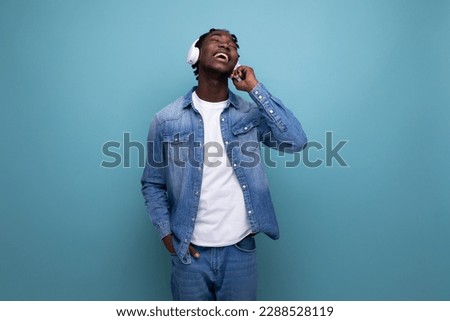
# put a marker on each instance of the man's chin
(220, 70)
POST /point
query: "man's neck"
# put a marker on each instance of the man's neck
(212, 89)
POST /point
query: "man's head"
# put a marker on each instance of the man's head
(218, 51)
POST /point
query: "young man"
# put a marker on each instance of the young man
(204, 183)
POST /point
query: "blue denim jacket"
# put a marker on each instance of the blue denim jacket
(172, 178)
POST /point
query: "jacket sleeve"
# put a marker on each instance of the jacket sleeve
(279, 128)
(153, 181)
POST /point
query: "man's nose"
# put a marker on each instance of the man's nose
(223, 45)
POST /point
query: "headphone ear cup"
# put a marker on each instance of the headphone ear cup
(193, 54)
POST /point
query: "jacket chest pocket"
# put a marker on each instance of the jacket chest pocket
(246, 134)
(246, 131)
(177, 148)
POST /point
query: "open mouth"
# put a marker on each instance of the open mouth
(222, 56)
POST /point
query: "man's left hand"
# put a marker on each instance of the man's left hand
(244, 78)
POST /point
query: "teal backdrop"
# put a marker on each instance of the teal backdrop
(75, 75)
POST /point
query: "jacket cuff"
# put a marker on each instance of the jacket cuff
(259, 94)
(164, 229)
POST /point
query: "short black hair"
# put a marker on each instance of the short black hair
(200, 42)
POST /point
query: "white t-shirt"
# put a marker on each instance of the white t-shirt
(221, 219)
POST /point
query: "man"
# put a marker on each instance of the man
(204, 183)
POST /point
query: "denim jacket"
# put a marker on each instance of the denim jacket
(172, 177)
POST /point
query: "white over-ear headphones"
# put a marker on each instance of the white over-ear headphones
(193, 53)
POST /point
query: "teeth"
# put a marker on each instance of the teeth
(222, 55)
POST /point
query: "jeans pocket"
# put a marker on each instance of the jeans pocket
(247, 244)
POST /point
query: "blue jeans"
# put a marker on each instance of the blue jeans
(220, 273)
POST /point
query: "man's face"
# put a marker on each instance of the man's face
(218, 52)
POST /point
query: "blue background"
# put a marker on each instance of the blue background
(76, 74)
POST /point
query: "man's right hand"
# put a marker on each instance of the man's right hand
(168, 243)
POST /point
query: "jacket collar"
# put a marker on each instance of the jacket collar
(187, 99)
